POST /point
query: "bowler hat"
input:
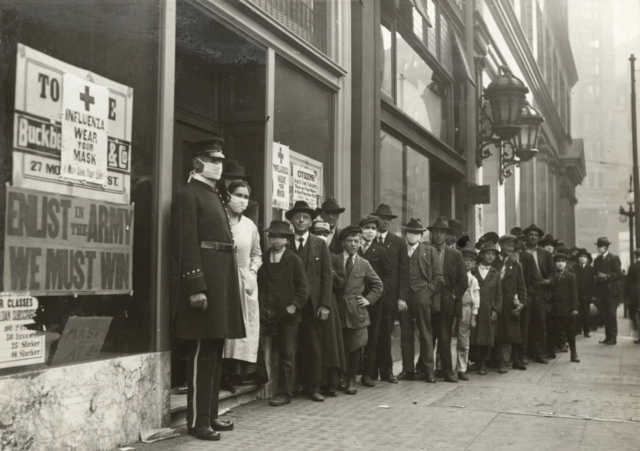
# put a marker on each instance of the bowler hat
(603, 241)
(279, 227)
(547, 240)
(414, 225)
(384, 210)
(469, 253)
(344, 233)
(367, 219)
(492, 236)
(560, 255)
(583, 251)
(517, 232)
(455, 225)
(488, 246)
(440, 224)
(319, 224)
(480, 243)
(207, 148)
(533, 228)
(234, 168)
(330, 205)
(301, 207)
(507, 237)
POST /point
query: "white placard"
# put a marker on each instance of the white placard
(306, 185)
(85, 111)
(37, 134)
(312, 166)
(18, 345)
(280, 177)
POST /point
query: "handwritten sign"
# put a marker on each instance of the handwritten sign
(56, 244)
(82, 339)
(44, 85)
(85, 108)
(18, 345)
(280, 177)
(305, 185)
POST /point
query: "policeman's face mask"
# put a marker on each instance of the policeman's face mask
(211, 170)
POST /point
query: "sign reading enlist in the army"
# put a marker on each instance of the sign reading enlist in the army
(18, 345)
(43, 85)
(56, 244)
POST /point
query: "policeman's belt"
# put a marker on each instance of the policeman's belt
(222, 247)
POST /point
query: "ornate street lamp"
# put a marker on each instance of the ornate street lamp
(629, 215)
(508, 122)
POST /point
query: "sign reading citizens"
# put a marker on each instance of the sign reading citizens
(72, 130)
(57, 244)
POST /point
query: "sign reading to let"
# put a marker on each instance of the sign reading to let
(280, 177)
(18, 345)
(65, 115)
(56, 244)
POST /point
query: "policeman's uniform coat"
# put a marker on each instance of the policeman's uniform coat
(199, 218)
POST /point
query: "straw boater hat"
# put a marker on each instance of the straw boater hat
(207, 148)
(384, 210)
(440, 224)
(279, 227)
(414, 225)
(301, 207)
(348, 231)
(367, 219)
(533, 228)
(331, 205)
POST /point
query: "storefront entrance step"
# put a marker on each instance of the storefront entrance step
(228, 400)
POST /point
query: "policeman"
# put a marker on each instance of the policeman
(207, 309)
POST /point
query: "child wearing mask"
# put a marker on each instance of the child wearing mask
(490, 307)
(563, 306)
(283, 291)
(470, 306)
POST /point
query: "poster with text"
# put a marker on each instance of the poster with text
(38, 141)
(57, 244)
(280, 177)
(19, 345)
(305, 185)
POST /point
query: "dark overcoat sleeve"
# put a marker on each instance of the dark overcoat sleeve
(521, 287)
(186, 248)
(497, 298)
(388, 276)
(462, 282)
(403, 274)
(339, 277)
(326, 276)
(573, 286)
(300, 282)
(437, 276)
(372, 283)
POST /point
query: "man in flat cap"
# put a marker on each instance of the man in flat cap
(330, 212)
(396, 252)
(207, 309)
(607, 286)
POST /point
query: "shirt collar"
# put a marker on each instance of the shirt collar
(413, 246)
(305, 237)
(346, 256)
(383, 235)
(605, 254)
(202, 179)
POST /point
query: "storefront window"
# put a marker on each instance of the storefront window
(387, 61)
(418, 186)
(421, 94)
(90, 255)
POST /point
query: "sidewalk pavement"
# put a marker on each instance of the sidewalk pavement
(593, 405)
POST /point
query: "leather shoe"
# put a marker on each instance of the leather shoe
(502, 369)
(524, 360)
(430, 379)
(317, 397)
(463, 376)
(392, 379)
(519, 366)
(542, 360)
(574, 358)
(552, 355)
(405, 376)
(204, 433)
(279, 400)
(439, 374)
(448, 377)
(482, 371)
(419, 375)
(222, 425)
(330, 392)
(611, 342)
(351, 388)
(367, 381)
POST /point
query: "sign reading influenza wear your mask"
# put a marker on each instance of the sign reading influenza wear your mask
(72, 130)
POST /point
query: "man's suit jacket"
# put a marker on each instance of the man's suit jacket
(317, 265)
(362, 281)
(377, 257)
(397, 252)
(455, 282)
(545, 263)
(512, 283)
(612, 267)
(430, 268)
(531, 274)
(335, 247)
(633, 280)
(585, 277)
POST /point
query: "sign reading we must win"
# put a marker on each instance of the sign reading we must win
(57, 244)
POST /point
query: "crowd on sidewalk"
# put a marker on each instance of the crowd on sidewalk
(330, 297)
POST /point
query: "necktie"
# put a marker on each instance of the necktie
(365, 246)
(410, 251)
(301, 245)
(380, 240)
(349, 266)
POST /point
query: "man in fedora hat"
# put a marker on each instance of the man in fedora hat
(376, 255)
(315, 256)
(537, 324)
(395, 248)
(607, 287)
(416, 302)
(283, 293)
(207, 309)
(585, 275)
(454, 233)
(531, 275)
(235, 170)
(447, 301)
(633, 279)
(330, 212)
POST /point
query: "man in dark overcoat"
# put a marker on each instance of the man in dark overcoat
(563, 305)
(538, 303)
(315, 256)
(585, 274)
(607, 287)
(377, 257)
(447, 301)
(396, 252)
(330, 212)
(207, 309)
(633, 279)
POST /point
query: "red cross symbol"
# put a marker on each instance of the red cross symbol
(86, 98)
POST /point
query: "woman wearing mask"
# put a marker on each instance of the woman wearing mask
(564, 306)
(240, 355)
